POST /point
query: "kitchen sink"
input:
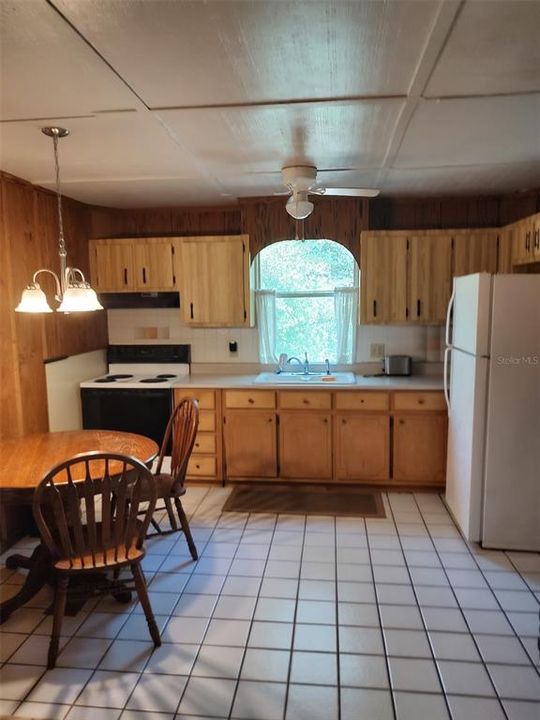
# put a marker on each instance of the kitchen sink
(295, 378)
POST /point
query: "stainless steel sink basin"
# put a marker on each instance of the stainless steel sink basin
(295, 378)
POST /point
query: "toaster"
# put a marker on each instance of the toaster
(397, 364)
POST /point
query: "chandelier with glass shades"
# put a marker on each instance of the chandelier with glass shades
(72, 291)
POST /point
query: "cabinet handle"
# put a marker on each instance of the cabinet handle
(374, 308)
(537, 239)
(125, 276)
(418, 308)
(528, 241)
(144, 275)
(191, 310)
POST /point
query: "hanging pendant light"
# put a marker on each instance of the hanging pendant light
(73, 292)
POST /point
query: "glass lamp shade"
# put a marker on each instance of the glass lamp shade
(79, 298)
(33, 300)
(299, 207)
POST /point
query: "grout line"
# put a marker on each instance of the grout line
(461, 610)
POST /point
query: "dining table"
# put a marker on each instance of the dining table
(25, 461)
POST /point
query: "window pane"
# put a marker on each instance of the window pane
(295, 266)
(306, 325)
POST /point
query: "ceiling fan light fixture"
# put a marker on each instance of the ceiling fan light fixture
(299, 206)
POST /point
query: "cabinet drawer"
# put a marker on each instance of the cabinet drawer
(207, 421)
(201, 466)
(250, 399)
(301, 400)
(362, 401)
(206, 398)
(419, 401)
(205, 443)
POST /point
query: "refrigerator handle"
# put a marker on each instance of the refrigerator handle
(449, 315)
(447, 352)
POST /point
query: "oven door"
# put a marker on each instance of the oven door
(145, 412)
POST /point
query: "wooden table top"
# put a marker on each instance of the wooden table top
(24, 462)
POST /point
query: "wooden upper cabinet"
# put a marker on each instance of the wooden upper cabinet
(213, 278)
(526, 240)
(153, 264)
(429, 276)
(505, 249)
(132, 265)
(475, 251)
(383, 279)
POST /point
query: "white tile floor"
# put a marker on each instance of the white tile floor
(295, 618)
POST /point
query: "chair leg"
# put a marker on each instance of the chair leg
(185, 527)
(170, 513)
(60, 594)
(140, 586)
(156, 527)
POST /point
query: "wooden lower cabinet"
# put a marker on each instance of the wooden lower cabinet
(305, 445)
(250, 444)
(362, 447)
(419, 448)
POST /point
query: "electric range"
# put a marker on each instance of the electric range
(136, 394)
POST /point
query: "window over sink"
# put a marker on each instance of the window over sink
(307, 301)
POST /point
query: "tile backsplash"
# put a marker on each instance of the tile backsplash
(211, 345)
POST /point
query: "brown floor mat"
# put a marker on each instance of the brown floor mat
(306, 500)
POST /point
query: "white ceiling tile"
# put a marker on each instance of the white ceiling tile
(185, 53)
(110, 146)
(143, 193)
(462, 180)
(48, 70)
(472, 131)
(494, 47)
(340, 135)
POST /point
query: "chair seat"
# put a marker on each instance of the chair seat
(164, 483)
(111, 558)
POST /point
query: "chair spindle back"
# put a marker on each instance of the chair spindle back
(88, 506)
(182, 429)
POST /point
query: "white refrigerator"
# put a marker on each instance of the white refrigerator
(492, 388)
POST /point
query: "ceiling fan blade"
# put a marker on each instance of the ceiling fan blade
(353, 192)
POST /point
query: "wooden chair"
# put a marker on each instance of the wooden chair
(180, 436)
(87, 512)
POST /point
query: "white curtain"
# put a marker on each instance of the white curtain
(346, 310)
(265, 305)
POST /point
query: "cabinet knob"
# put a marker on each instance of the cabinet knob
(343, 422)
(325, 421)
(305, 401)
(421, 401)
(196, 444)
(402, 422)
(361, 401)
(251, 401)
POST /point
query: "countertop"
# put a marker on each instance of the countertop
(413, 382)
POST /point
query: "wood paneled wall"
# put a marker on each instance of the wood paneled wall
(28, 241)
(263, 219)
(451, 212)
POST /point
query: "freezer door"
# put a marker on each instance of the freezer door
(471, 313)
(512, 479)
(466, 427)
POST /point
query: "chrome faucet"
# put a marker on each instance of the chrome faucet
(303, 363)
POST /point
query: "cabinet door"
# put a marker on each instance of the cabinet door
(430, 277)
(153, 265)
(420, 448)
(214, 280)
(475, 251)
(250, 444)
(305, 446)
(383, 277)
(523, 251)
(535, 226)
(112, 266)
(362, 447)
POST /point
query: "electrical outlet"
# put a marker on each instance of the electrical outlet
(376, 351)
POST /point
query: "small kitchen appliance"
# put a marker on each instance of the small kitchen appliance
(136, 394)
(397, 364)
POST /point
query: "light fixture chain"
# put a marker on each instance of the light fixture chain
(61, 242)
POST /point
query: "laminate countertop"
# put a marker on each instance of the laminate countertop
(413, 382)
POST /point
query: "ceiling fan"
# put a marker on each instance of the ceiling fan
(302, 182)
